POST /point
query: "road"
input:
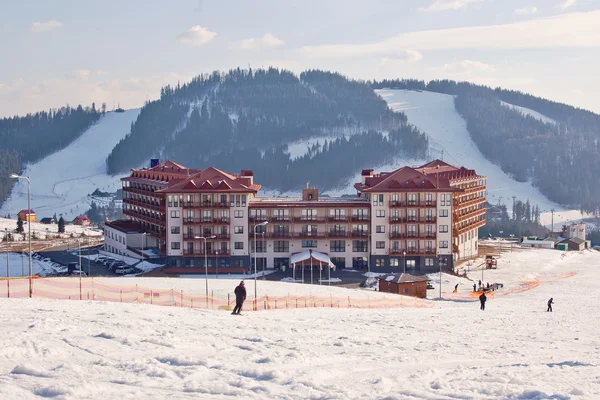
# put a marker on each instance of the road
(60, 255)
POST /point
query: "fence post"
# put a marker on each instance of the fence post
(151, 296)
(192, 302)
(212, 297)
(93, 292)
(121, 295)
(8, 287)
(136, 293)
(349, 302)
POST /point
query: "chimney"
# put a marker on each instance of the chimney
(249, 175)
(310, 194)
(366, 173)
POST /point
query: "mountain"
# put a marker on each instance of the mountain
(244, 119)
(553, 146)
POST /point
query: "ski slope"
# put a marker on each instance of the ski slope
(434, 113)
(61, 182)
(512, 350)
(528, 112)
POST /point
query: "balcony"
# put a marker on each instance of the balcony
(196, 236)
(411, 203)
(358, 218)
(309, 235)
(459, 205)
(414, 251)
(277, 235)
(413, 235)
(258, 218)
(143, 217)
(145, 204)
(359, 234)
(460, 231)
(337, 234)
(280, 218)
(338, 218)
(222, 220)
(471, 214)
(208, 253)
(412, 220)
(474, 189)
(309, 218)
(190, 220)
(190, 204)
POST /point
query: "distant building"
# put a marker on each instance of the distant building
(574, 244)
(577, 231)
(125, 238)
(405, 284)
(24, 215)
(535, 242)
(82, 220)
(48, 221)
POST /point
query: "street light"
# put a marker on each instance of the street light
(15, 176)
(511, 241)
(263, 238)
(205, 262)
(404, 259)
(143, 237)
(440, 261)
(261, 224)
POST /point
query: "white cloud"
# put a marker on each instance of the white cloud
(196, 35)
(402, 57)
(267, 40)
(464, 67)
(526, 10)
(443, 5)
(37, 27)
(567, 3)
(566, 30)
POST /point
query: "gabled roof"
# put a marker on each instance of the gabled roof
(212, 180)
(403, 278)
(404, 179)
(575, 240)
(81, 218)
(47, 219)
(27, 212)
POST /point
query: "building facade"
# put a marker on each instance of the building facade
(413, 219)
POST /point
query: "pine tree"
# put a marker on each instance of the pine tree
(19, 225)
(54, 217)
(61, 225)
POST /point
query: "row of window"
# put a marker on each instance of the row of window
(114, 236)
(208, 214)
(235, 200)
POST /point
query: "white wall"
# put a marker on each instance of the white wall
(380, 221)
(447, 221)
(174, 237)
(115, 241)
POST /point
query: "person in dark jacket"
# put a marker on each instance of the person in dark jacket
(474, 287)
(240, 296)
(482, 299)
(550, 302)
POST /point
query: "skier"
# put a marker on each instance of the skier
(240, 296)
(550, 302)
(482, 299)
(456, 288)
(474, 287)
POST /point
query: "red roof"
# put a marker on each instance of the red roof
(26, 212)
(81, 218)
(213, 180)
(126, 226)
(404, 179)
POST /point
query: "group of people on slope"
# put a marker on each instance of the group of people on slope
(483, 299)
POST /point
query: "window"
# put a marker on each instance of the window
(175, 214)
(237, 200)
(380, 213)
(309, 243)
(261, 246)
(243, 200)
(412, 245)
(443, 229)
(337, 214)
(394, 262)
(380, 244)
(412, 199)
(223, 199)
(238, 213)
(378, 199)
(443, 244)
(170, 201)
(446, 199)
(281, 246)
(444, 213)
(238, 245)
(359, 245)
(429, 262)
(379, 262)
(337, 246)
(175, 230)
(238, 229)
(175, 245)
(380, 229)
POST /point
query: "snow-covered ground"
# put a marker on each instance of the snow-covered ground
(527, 111)
(43, 230)
(18, 265)
(434, 113)
(61, 182)
(512, 350)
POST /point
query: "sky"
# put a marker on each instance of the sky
(122, 53)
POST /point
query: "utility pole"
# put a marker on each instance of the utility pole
(552, 228)
(514, 202)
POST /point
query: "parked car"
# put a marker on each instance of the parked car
(124, 270)
(78, 273)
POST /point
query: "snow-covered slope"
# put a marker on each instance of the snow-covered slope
(61, 182)
(512, 350)
(434, 113)
(531, 113)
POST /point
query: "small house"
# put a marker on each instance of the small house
(82, 220)
(25, 215)
(48, 221)
(574, 244)
(405, 284)
(535, 242)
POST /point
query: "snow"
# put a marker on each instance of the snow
(42, 230)
(18, 265)
(434, 113)
(61, 182)
(528, 112)
(514, 349)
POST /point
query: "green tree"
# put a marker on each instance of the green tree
(19, 225)
(61, 225)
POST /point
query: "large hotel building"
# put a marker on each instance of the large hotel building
(419, 218)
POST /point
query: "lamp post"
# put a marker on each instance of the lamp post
(261, 224)
(143, 237)
(205, 262)
(6, 236)
(511, 241)
(263, 238)
(404, 259)
(440, 260)
(500, 242)
(15, 176)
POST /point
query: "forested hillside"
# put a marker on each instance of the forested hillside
(245, 119)
(34, 136)
(562, 159)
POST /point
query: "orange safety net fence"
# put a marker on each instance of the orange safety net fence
(95, 290)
